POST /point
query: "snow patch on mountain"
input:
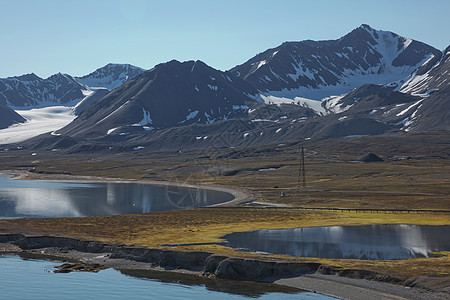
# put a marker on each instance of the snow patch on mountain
(146, 119)
(309, 103)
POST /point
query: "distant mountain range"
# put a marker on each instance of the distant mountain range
(367, 82)
(31, 91)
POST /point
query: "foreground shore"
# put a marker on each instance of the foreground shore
(393, 184)
(306, 276)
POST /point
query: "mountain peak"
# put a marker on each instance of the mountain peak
(28, 77)
(110, 76)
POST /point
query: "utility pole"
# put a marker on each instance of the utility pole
(301, 170)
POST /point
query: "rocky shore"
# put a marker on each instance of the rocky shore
(92, 256)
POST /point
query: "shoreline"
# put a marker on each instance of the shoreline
(314, 277)
(240, 195)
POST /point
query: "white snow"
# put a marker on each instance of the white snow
(39, 121)
(260, 64)
(408, 108)
(213, 87)
(278, 100)
(278, 130)
(262, 120)
(111, 130)
(146, 120)
(196, 88)
(245, 134)
(138, 148)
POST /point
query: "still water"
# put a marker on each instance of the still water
(32, 279)
(38, 199)
(382, 242)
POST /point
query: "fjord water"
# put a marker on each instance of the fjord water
(32, 279)
(380, 242)
(37, 199)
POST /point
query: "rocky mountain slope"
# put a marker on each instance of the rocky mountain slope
(9, 117)
(169, 95)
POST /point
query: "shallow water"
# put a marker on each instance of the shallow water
(32, 279)
(37, 199)
(381, 242)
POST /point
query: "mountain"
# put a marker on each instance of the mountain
(384, 83)
(9, 117)
(436, 78)
(169, 95)
(110, 76)
(319, 69)
(31, 91)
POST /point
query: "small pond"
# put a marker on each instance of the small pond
(381, 242)
(39, 199)
(27, 278)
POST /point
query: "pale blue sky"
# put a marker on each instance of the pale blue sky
(77, 37)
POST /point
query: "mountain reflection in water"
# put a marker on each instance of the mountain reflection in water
(380, 242)
(36, 199)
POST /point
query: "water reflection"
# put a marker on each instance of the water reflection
(32, 279)
(381, 242)
(26, 198)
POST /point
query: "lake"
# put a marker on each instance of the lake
(27, 278)
(380, 242)
(42, 199)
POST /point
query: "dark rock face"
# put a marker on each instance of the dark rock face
(9, 117)
(370, 157)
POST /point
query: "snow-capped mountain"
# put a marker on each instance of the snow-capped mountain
(319, 69)
(370, 82)
(169, 95)
(30, 91)
(110, 76)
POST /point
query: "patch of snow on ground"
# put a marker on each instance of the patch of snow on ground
(146, 119)
(111, 130)
(408, 108)
(263, 120)
(39, 121)
(312, 104)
